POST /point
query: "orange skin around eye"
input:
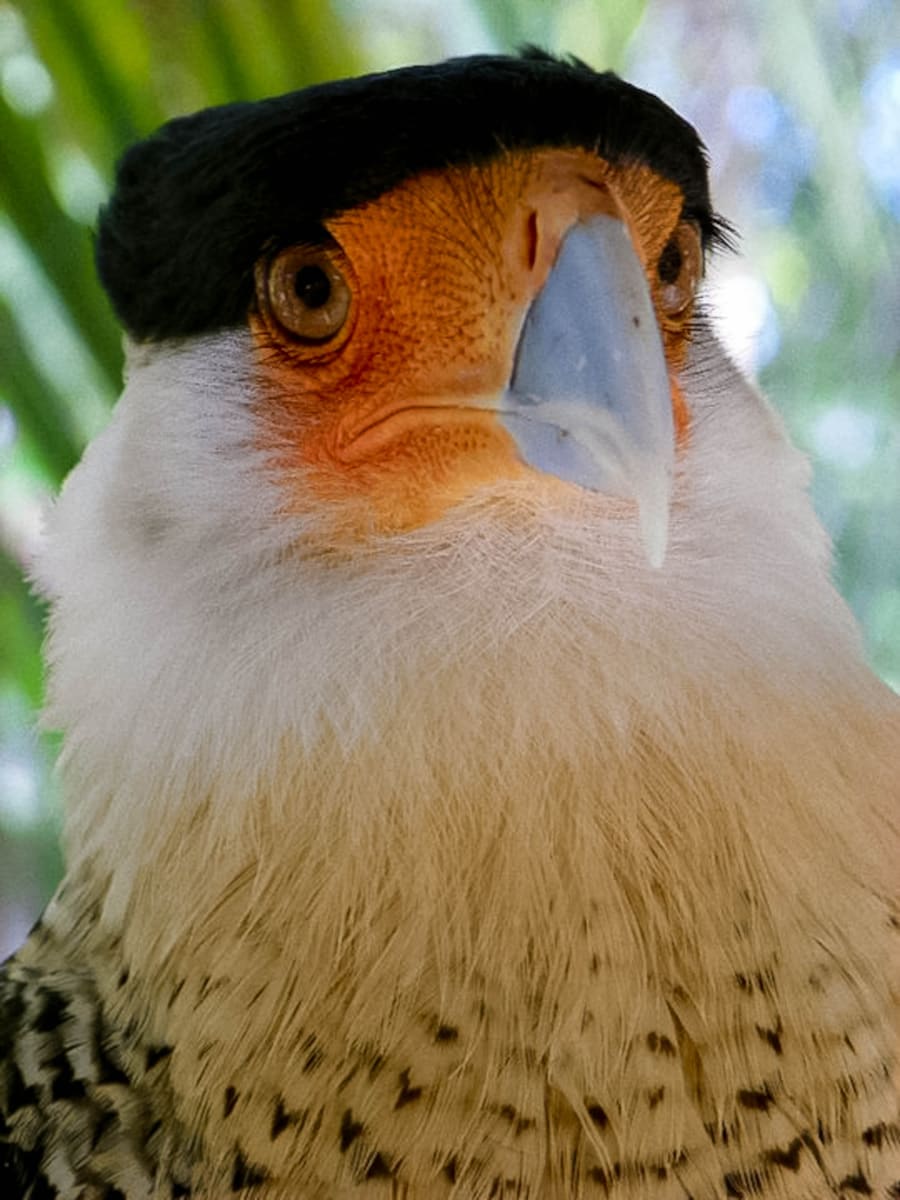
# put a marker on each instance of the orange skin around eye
(393, 417)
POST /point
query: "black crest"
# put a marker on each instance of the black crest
(196, 203)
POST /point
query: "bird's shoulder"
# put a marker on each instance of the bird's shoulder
(78, 1120)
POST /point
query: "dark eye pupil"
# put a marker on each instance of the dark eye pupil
(669, 266)
(313, 287)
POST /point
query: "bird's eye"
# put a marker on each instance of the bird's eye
(679, 269)
(306, 293)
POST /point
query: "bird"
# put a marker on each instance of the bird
(474, 785)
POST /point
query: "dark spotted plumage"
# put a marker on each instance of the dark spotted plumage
(81, 1107)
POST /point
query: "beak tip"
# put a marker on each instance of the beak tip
(653, 494)
(655, 540)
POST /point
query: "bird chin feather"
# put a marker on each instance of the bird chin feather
(206, 647)
(495, 749)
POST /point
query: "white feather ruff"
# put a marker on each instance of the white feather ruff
(468, 775)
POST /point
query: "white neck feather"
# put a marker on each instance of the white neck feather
(453, 746)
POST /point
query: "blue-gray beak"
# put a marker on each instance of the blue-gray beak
(589, 399)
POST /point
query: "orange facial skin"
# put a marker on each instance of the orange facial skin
(394, 416)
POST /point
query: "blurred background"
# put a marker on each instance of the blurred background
(798, 102)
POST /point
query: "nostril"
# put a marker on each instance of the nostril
(531, 240)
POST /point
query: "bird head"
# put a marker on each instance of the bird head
(450, 276)
(422, 408)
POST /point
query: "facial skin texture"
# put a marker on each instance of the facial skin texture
(396, 412)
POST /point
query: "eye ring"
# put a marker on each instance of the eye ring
(304, 290)
(679, 270)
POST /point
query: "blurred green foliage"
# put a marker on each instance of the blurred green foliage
(799, 104)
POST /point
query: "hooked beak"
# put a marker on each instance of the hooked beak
(589, 398)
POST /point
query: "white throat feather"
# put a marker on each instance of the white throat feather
(497, 749)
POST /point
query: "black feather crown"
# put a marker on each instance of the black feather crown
(196, 203)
